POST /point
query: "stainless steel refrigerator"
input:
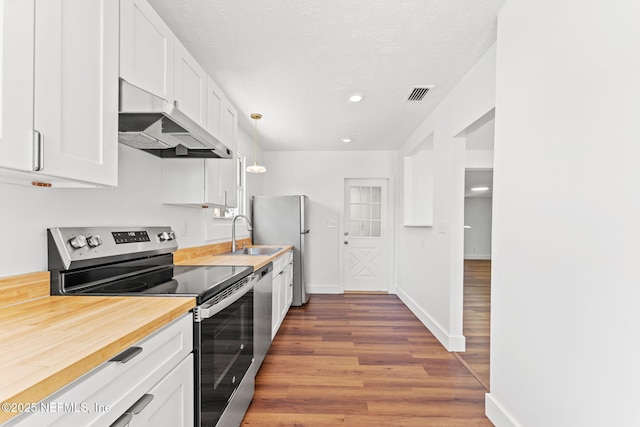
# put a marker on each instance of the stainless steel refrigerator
(283, 220)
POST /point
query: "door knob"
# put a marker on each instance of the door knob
(346, 233)
(346, 242)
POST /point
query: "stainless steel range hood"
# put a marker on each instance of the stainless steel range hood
(156, 126)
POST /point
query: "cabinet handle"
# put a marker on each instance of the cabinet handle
(175, 103)
(38, 149)
(123, 421)
(127, 355)
(282, 272)
(142, 403)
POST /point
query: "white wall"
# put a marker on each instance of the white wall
(26, 212)
(320, 175)
(477, 239)
(430, 259)
(565, 289)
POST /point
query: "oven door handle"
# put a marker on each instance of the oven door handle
(206, 311)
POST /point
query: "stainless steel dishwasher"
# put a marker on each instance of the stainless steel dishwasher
(262, 308)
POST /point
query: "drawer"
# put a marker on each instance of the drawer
(281, 262)
(100, 396)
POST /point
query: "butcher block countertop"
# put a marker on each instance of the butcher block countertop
(255, 261)
(48, 342)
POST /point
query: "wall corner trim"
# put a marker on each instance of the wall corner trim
(497, 414)
(450, 342)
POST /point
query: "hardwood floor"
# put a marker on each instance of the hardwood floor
(362, 360)
(477, 311)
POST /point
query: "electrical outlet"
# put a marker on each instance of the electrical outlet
(184, 228)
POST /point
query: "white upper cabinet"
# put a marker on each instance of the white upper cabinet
(16, 93)
(228, 135)
(190, 85)
(206, 182)
(59, 104)
(76, 88)
(146, 49)
(194, 182)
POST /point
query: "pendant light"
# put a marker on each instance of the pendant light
(255, 167)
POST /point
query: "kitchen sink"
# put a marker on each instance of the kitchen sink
(256, 251)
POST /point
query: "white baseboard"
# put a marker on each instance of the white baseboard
(477, 256)
(324, 289)
(450, 342)
(497, 414)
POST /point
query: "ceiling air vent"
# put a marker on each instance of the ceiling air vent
(418, 93)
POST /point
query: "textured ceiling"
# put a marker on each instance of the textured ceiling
(297, 62)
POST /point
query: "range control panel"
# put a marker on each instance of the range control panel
(101, 243)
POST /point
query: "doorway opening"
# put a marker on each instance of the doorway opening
(477, 273)
(478, 198)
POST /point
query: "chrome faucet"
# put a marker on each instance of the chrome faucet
(233, 229)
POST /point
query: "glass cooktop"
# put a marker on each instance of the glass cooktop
(201, 282)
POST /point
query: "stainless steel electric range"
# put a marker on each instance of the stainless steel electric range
(138, 261)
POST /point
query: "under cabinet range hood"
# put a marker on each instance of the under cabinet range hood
(150, 123)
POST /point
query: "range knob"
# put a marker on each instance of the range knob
(163, 237)
(94, 240)
(78, 242)
(172, 235)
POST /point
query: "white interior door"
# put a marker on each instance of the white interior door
(366, 240)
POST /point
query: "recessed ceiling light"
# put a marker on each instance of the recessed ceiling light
(346, 140)
(356, 97)
(480, 189)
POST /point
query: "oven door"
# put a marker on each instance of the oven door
(224, 353)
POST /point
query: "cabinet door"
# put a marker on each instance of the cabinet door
(146, 49)
(190, 85)
(214, 108)
(171, 403)
(276, 304)
(228, 135)
(76, 88)
(16, 77)
(214, 194)
(288, 288)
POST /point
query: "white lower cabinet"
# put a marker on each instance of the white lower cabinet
(149, 384)
(282, 290)
(170, 402)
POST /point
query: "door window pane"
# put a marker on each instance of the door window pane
(376, 229)
(365, 194)
(376, 212)
(355, 195)
(376, 194)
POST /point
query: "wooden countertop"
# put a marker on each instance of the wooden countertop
(49, 342)
(255, 261)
